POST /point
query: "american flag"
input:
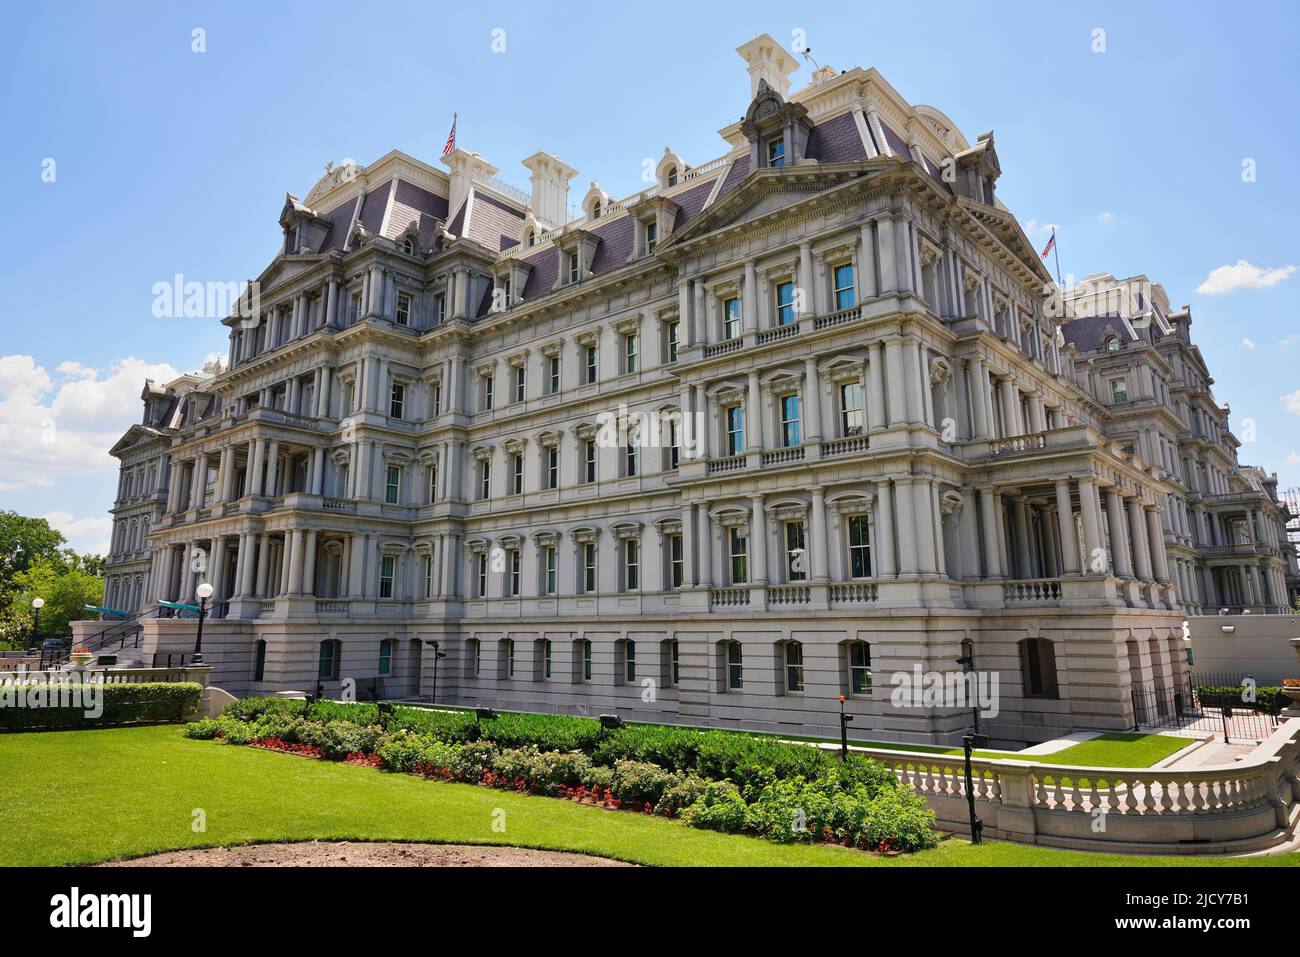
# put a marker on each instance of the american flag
(451, 137)
(1051, 243)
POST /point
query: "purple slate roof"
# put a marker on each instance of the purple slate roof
(372, 210)
(1085, 333)
(458, 221)
(836, 141)
(545, 268)
(616, 240)
(411, 204)
(735, 173)
(340, 219)
(896, 143)
(692, 203)
(494, 224)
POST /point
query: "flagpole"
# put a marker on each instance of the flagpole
(1056, 251)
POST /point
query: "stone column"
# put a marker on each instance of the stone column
(317, 486)
(690, 564)
(1065, 522)
(253, 483)
(749, 301)
(1119, 553)
(888, 256)
(896, 378)
(1090, 511)
(911, 356)
(1011, 407)
(1137, 524)
(1020, 520)
(886, 566)
(1156, 543)
(907, 543)
(758, 537)
(216, 568)
(812, 401)
(969, 528)
(817, 543)
(806, 281)
(876, 388)
(753, 416)
(704, 526)
(246, 565)
(989, 520)
(979, 413)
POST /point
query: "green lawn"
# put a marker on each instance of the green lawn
(1114, 750)
(72, 797)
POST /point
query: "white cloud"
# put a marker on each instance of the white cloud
(50, 428)
(1106, 217)
(1293, 459)
(1243, 275)
(89, 535)
(1248, 343)
(1289, 341)
(1292, 402)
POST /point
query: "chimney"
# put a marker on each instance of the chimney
(550, 182)
(465, 168)
(769, 61)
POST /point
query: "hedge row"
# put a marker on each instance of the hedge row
(723, 780)
(39, 705)
(1268, 699)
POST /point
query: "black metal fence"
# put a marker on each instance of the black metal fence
(1228, 704)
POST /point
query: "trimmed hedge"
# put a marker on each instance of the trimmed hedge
(1268, 699)
(121, 704)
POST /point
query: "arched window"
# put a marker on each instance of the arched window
(530, 237)
(259, 660)
(408, 246)
(858, 664)
(672, 176)
(1112, 344)
(330, 652)
(792, 659)
(1038, 668)
(595, 209)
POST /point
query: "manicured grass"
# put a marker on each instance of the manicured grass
(1113, 750)
(74, 797)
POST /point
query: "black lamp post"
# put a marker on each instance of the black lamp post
(37, 605)
(844, 731)
(204, 592)
(969, 742)
(433, 696)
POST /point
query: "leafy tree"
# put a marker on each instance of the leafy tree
(23, 541)
(66, 583)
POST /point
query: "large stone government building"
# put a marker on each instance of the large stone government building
(718, 452)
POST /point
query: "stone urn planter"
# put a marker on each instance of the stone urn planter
(81, 657)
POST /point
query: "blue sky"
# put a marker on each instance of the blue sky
(170, 161)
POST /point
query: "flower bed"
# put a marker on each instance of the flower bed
(720, 780)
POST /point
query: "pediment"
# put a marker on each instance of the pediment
(285, 269)
(135, 435)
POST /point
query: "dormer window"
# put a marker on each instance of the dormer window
(776, 152)
(595, 210)
(403, 309)
(1112, 344)
(651, 236)
(671, 179)
(408, 246)
(530, 238)
(573, 265)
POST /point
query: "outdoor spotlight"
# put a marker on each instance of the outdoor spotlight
(484, 713)
(610, 722)
(204, 591)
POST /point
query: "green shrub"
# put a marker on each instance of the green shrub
(248, 709)
(338, 739)
(639, 783)
(203, 730)
(470, 760)
(688, 789)
(25, 706)
(356, 713)
(235, 731)
(1268, 699)
(718, 808)
(897, 820)
(408, 751)
(677, 749)
(452, 727)
(598, 776)
(553, 732)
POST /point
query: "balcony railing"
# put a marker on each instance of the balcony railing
(731, 463)
(845, 446)
(730, 597)
(854, 593)
(789, 595)
(1032, 590)
(724, 347)
(794, 453)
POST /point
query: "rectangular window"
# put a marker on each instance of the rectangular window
(630, 346)
(589, 355)
(433, 484)
(403, 309)
(589, 460)
(672, 341)
(735, 429)
(387, 567)
(510, 658)
(789, 420)
(475, 658)
(386, 657)
(785, 303)
(794, 666)
(651, 236)
(735, 667)
(552, 466)
(738, 546)
(776, 153)
(1118, 391)
(586, 661)
(521, 379)
(573, 267)
(354, 310)
(589, 567)
(480, 577)
(392, 484)
(859, 547)
(328, 666)
(674, 443)
(546, 658)
(796, 555)
(489, 388)
(860, 668)
(397, 400)
(851, 411)
(676, 562)
(731, 318)
(548, 557)
(629, 662)
(437, 399)
(553, 374)
(515, 562)
(631, 566)
(428, 576)
(440, 308)
(845, 295)
(485, 479)
(516, 473)
(631, 454)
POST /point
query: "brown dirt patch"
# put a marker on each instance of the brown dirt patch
(365, 854)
